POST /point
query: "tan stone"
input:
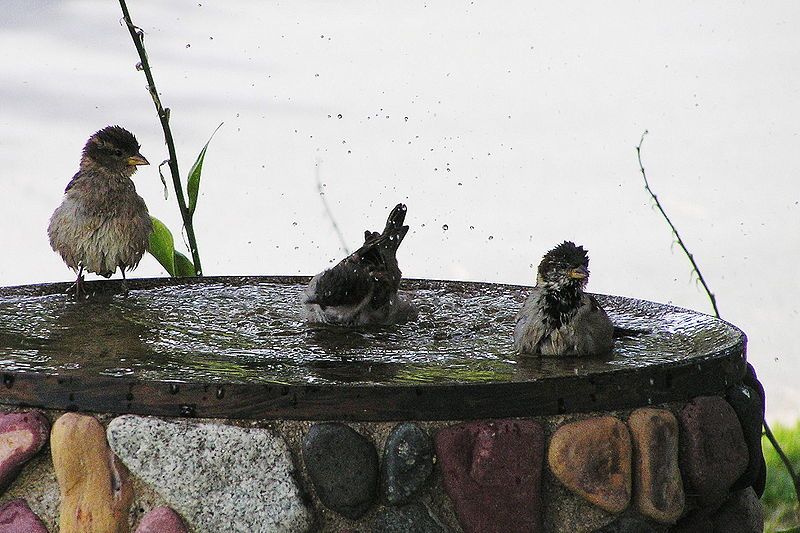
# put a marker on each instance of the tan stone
(592, 458)
(95, 490)
(658, 488)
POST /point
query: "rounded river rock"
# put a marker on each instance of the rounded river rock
(407, 462)
(343, 466)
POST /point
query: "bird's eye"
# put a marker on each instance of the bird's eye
(118, 152)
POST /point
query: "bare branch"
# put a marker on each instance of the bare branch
(677, 235)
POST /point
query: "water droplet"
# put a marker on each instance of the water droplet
(445, 227)
(188, 45)
(339, 115)
(491, 237)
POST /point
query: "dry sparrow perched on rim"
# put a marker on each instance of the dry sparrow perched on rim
(102, 224)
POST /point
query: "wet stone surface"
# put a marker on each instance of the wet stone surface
(343, 466)
(239, 330)
(407, 463)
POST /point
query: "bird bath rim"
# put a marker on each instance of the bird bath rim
(620, 388)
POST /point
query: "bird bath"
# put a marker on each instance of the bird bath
(236, 347)
(234, 352)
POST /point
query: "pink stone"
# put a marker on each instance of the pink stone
(492, 471)
(161, 520)
(17, 517)
(22, 435)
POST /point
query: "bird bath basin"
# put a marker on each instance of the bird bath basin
(235, 347)
(274, 392)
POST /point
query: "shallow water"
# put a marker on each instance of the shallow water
(251, 331)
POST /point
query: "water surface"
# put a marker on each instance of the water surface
(249, 330)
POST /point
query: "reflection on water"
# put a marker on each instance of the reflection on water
(221, 332)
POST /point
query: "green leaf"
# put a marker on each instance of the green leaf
(193, 184)
(162, 245)
(183, 266)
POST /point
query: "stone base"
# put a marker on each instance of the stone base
(499, 466)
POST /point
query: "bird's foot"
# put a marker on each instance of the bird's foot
(77, 289)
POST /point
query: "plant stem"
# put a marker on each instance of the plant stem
(163, 115)
(767, 430)
(674, 229)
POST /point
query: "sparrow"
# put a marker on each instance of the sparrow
(362, 288)
(102, 224)
(558, 318)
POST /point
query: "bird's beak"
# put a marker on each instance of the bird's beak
(137, 159)
(578, 273)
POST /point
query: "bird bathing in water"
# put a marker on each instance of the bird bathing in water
(362, 289)
(558, 318)
(102, 224)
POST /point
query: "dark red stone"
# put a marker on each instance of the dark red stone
(693, 523)
(17, 517)
(161, 520)
(742, 513)
(713, 450)
(750, 410)
(23, 433)
(492, 472)
(751, 380)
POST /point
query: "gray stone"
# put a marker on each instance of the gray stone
(414, 517)
(218, 477)
(407, 462)
(343, 465)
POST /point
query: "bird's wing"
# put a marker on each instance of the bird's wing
(372, 268)
(530, 327)
(592, 330)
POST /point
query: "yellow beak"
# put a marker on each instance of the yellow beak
(578, 273)
(137, 159)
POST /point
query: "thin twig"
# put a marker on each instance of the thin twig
(328, 211)
(163, 115)
(767, 430)
(674, 229)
